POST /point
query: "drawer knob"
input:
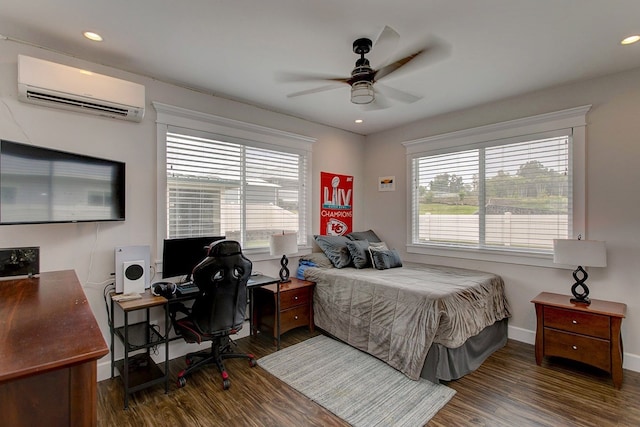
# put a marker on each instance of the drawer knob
(575, 347)
(296, 317)
(295, 297)
(575, 322)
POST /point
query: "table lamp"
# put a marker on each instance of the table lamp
(283, 244)
(588, 253)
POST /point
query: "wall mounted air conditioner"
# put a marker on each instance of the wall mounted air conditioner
(56, 85)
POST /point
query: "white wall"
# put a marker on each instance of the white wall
(613, 195)
(88, 248)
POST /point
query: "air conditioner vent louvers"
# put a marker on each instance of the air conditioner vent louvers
(55, 85)
(76, 103)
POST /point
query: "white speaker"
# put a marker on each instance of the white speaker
(129, 256)
(133, 276)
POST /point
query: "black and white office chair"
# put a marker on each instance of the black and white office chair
(218, 311)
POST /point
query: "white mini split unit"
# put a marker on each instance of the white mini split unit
(56, 85)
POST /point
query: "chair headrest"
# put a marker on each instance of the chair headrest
(223, 248)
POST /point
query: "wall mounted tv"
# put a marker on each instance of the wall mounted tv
(41, 185)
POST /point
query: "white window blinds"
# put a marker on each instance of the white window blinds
(500, 195)
(227, 186)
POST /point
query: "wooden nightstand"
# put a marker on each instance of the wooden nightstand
(585, 333)
(295, 308)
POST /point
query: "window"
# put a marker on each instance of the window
(503, 189)
(217, 181)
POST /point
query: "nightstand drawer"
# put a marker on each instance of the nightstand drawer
(593, 351)
(594, 325)
(294, 298)
(294, 318)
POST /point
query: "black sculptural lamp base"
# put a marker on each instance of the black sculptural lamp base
(580, 297)
(284, 271)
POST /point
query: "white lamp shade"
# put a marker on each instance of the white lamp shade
(585, 253)
(283, 244)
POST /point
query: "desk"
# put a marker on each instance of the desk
(49, 344)
(140, 371)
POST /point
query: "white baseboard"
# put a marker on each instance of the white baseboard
(630, 362)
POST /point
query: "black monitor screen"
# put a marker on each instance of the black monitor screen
(181, 255)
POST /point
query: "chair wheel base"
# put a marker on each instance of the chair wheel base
(182, 381)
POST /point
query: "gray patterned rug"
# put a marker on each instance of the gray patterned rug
(355, 386)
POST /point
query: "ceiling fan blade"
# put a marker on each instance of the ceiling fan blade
(384, 46)
(380, 103)
(388, 69)
(396, 94)
(435, 50)
(328, 87)
(287, 77)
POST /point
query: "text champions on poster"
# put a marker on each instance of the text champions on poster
(336, 204)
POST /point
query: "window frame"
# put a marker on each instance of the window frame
(170, 117)
(512, 131)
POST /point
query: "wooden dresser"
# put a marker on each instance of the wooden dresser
(585, 333)
(49, 344)
(295, 308)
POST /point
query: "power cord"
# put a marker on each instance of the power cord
(111, 287)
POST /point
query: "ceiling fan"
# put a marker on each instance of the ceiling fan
(363, 77)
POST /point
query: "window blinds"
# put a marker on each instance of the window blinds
(501, 195)
(223, 186)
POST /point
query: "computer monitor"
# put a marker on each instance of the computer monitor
(180, 255)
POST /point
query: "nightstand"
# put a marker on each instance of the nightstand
(295, 308)
(585, 333)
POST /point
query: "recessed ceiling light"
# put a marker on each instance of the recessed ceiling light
(630, 39)
(359, 120)
(92, 36)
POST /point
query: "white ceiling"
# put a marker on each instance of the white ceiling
(245, 49)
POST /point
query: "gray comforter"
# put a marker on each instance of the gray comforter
(396, 314)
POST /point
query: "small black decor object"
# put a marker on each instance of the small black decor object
(580, 252)
(283, 244)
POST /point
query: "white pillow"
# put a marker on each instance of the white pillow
(376, 246)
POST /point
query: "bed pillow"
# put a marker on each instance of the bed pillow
(318, 259)
(359, 251)
(368, 235)
(335, 248)
(383, 259)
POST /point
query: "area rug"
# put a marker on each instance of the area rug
(355, 386)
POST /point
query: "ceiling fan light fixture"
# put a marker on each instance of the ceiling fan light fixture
(362, 92)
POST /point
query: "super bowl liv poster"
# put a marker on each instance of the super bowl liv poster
(336, 204)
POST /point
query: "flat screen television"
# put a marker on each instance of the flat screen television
(180, 255)
(42, 185)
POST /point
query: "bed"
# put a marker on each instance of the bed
(434, 322)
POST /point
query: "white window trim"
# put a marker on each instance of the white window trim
(168, 115)
(474, 137)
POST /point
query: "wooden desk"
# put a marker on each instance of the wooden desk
(49, 344)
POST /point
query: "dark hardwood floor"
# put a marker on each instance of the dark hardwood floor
(509, 389)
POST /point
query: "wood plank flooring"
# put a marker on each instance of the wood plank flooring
(509, 389)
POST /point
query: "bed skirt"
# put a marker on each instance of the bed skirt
(446, 364)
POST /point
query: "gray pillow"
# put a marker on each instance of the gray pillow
(384, 259)
(369, 235)
(359, 250)
(335, 248)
